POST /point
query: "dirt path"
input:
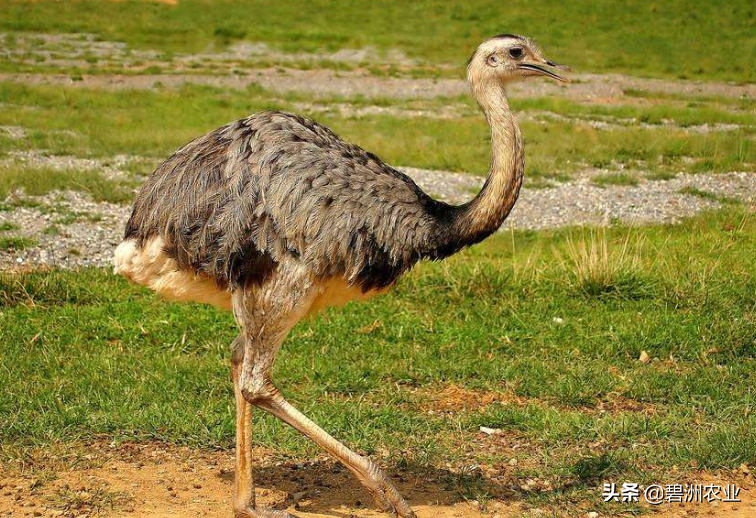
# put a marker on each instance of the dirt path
(586, 87)
(157, 481)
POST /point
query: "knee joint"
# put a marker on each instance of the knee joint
(257, 391)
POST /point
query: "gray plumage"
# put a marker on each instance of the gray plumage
(274, 186)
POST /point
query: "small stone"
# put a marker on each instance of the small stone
(643, 358)
(592, 514)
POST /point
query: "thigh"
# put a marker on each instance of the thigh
(265, 315)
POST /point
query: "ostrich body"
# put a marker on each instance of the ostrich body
(275, 217)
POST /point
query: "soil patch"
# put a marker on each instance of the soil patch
(160, 481)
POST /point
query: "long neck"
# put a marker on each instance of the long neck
(484, 214)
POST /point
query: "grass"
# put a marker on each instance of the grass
(683, 112)
(739, 103)
(707, 195)
(6, 226)
(557, 318)
(662, 175)
(13, 243)
(661, 39)
(615, 179)
(599, 269)
(103, 123)
(36, 182)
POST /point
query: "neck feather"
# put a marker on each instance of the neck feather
(484, 214)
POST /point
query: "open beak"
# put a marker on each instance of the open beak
(542, 70)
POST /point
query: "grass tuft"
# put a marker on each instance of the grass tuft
(15, 243)
(600, 269)
(594, 468)
(603, 180)
(7, 226)
(707, 195)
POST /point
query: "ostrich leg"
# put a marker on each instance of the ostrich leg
(368, 473)
(265, 317)
(244, 487)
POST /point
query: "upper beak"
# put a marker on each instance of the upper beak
(540, 69)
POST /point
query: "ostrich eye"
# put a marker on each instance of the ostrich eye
(516, 52)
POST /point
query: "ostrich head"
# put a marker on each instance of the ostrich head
(506, 58)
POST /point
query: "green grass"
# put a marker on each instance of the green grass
(36, 182)
(660, 175)
(684, 113)
(557, 318)
(660, 39)
(13, 243)
(695, 191)
(740, 103)
(6, 226)
(615, 179)
(103, 123)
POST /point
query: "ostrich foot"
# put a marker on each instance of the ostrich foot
(388, 499)
(262, 512)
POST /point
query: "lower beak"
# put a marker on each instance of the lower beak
(538, 69)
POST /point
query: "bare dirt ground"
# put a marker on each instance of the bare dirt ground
(160, 481)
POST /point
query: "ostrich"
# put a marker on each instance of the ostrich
(275, 218)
